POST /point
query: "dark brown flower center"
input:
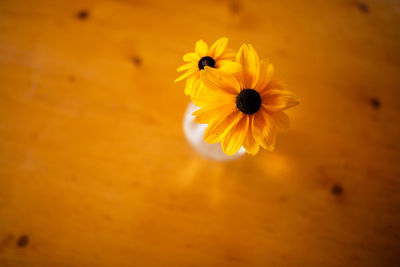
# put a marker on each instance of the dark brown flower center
(248, 101)
(206, 61)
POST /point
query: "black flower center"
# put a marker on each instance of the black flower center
(206, 61)
(248, 101)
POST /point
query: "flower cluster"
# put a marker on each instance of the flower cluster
(238, 99)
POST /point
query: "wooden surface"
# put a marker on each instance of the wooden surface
(95, 170)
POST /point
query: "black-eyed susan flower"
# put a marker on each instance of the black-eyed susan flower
(217, 56)
(244, 109)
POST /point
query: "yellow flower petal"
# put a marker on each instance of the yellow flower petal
(262, 128)
(228, 54)
(201, 97)
(228, 66)
(185, 75)
(216, 79)
(249, 143)
(278, 100)
(234, 139)
(186, 67)
(272, 141)
(248, 58)
(209, 113)
(265, 75)
(192, 83)
(205, 96)
(218, 48)
(278, 85)
(201, 49)
(190, 57)
(198, 88)
(219, 127)
(281, 120)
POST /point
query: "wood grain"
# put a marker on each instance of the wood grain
(95, 170)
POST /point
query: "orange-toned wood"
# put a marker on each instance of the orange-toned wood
(95, 170)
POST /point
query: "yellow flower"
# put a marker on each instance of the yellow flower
(217, 56)
(244, 109)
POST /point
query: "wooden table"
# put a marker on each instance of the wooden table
(95, 169)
